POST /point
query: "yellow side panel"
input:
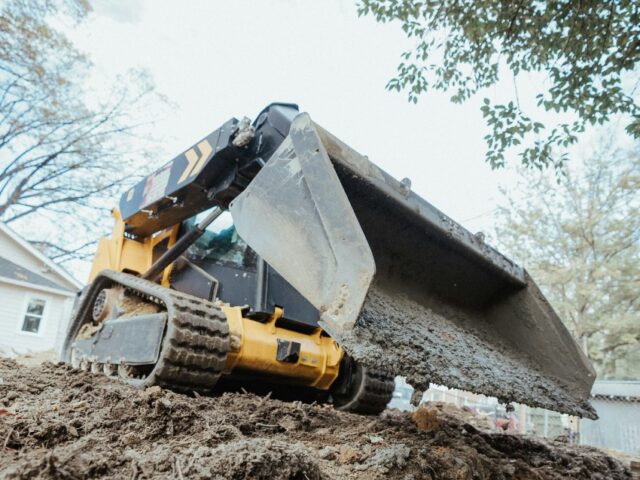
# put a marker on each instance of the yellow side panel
(254, 347)
(135, 256)
(124, 254)
(105, 257)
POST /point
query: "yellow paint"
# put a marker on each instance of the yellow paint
(205, 150)
(192, 159)
(195, 163)
(254, 346)
(128, 255)
(172, 234)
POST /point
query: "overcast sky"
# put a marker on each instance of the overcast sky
(219, 59)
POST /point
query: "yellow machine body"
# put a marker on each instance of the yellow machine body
(254, 344)
(254, 348)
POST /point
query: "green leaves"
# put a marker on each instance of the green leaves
(588, 49)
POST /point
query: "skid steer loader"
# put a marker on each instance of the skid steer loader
(272, 252)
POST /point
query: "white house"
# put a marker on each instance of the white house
(618, 406)
(36, 297)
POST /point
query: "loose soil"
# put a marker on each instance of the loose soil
(60, 423)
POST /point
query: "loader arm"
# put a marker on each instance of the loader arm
(212, 172)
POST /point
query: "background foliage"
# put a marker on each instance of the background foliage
(580, 240)
(583, 53)
(65, 152)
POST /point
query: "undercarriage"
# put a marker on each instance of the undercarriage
(146, 334)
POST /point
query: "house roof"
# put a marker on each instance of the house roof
(12, 271)
(616, 390)
(61, 272)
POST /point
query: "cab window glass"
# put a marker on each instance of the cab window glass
(221, 243)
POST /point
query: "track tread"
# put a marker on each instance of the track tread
(196, 341)
(373, 394)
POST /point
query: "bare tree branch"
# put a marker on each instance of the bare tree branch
(65, 155)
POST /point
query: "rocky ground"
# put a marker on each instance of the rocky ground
(59, 423)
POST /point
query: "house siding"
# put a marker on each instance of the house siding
(618, 427)
(13, 302)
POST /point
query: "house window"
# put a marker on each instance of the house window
(33, 315)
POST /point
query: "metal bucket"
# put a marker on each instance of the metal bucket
(402, 286)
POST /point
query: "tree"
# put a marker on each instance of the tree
(64, 152)
(580, 240)
(587, 51)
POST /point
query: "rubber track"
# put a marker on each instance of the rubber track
(194, 348)
(374, 394)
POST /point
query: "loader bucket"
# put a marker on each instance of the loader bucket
(400, 285)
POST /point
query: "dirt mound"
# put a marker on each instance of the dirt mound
(33, 359)
(59, 423)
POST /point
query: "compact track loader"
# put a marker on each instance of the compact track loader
(273, 253)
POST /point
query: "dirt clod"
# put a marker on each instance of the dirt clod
(127, 433)
(347, 455)
(426, 418)
(152, 393)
